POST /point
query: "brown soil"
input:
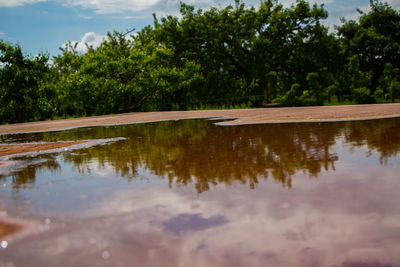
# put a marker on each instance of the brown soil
(6, 150)
(241, 116)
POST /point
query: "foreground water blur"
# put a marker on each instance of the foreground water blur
(190, 193)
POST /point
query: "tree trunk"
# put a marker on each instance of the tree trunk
(264, 87)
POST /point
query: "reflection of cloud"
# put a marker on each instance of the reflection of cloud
(365, 264)
(192, 222)
(345, 217)
(102, 170)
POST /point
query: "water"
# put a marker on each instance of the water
(189, 193)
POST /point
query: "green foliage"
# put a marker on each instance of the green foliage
(290, 98)
(374, 39)
(232, 57)
(363, 96)
(358, 82)
(316, 96)
(391, 82)
(23, 94)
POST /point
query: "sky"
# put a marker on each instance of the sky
(43, 26)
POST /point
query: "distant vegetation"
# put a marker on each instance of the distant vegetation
(237, 56)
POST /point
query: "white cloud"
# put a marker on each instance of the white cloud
(86, 16)
(112, 6)
(288, 3)
(90, 38)
(347, 12)
(394, 3)
(14, 3)
(146, 7)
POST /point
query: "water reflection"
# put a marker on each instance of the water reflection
(23, 172)
(192, 222)
(379, 135)
(200, 153)
(113, 200)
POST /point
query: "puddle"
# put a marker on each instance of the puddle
(180, 193)
(8, 229)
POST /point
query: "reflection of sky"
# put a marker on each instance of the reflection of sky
(192, 222)
(345, 217)
(321, 223)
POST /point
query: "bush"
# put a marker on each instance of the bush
(363, 96)
(307, 99)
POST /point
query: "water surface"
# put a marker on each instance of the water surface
(190, 193)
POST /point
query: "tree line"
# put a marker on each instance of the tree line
(236, 56)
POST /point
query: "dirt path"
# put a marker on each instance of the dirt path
(243, 116)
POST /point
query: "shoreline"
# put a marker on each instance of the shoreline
(14, 149)
(237, 116)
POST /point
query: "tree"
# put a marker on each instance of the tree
(21, 96)
(246, 45)
(391, 77)
(375, 39)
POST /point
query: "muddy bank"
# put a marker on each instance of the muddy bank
(7, 150)
(241, 116)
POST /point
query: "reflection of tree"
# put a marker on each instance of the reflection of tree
(24, 176)
(196, 151)
(200, 152)
(380, 135)
(67, 135)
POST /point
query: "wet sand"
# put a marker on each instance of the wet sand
(7, 150)
(239, 116)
